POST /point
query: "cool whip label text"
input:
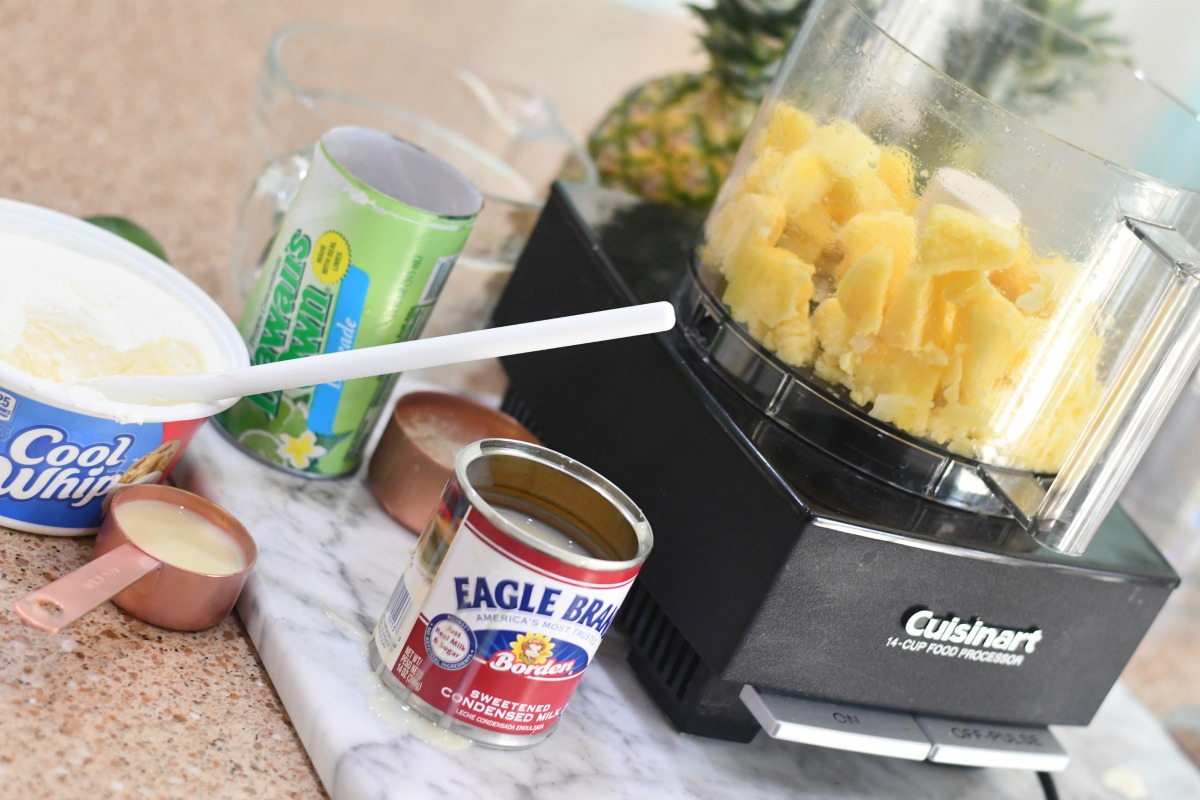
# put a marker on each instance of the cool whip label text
(41, 464)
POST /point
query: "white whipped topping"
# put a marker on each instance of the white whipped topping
(66, 316)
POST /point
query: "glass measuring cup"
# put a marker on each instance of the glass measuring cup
(145, 576)
(507, 140)
(962, 229)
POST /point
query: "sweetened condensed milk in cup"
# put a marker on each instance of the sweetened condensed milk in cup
(515, 580)
(167, 556)
(180, 537)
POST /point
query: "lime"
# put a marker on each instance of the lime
(130, 231)
(260, 442)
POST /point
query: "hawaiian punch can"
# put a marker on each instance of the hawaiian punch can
(360, 258)
(511, 587)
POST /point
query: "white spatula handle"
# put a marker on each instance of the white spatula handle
(455, 348)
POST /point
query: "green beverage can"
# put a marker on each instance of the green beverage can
(359, 260)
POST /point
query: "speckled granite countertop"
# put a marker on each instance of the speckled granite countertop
(115, 707)
(141, 108)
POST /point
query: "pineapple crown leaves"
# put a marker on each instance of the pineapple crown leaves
(746, 40)
(1061, 58)
(1069, 14)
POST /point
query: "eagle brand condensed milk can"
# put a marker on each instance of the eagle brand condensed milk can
(512, 585)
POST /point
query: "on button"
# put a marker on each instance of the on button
(843, 727)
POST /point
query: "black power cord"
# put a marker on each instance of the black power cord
(1048, 787)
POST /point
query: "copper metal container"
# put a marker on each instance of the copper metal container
(415, 455)
(145, 586)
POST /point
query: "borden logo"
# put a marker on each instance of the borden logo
(971, 633)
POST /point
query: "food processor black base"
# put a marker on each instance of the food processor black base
(780, 575)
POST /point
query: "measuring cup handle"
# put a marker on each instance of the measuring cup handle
(56, 605)
(268, 199)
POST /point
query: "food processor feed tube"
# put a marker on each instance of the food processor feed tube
(962, 255)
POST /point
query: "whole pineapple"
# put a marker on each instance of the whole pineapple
(673, 139)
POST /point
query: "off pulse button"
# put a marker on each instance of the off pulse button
(975, 744)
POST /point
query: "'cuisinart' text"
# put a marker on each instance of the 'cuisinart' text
(973, 633)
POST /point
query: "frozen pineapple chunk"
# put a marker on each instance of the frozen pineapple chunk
(847, 197)
(901, 386)
(933, 312)
(788, 128)
(863, 179)
(896, 171)
(766, 284)
(957, 426)
(884, 370)
(1019, 278)
(1055, 283)
(833, 330)
(903, 325)
(990, 332)
(748, 218)
(800, 182)
(761, 173)
(957, 288)
(945, 293)
(846, 150)
(891, 229)
(842, 200)
(794, 339)
(863, 291)
(1072, 402)
(953, 240)
(811, 235)
(904, 411)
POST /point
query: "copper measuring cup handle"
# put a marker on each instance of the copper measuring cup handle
(59, 603)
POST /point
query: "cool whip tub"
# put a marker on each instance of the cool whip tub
(79, 302)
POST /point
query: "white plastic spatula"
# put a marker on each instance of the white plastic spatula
(526, 337)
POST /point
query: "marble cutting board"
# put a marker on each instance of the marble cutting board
(328, 559)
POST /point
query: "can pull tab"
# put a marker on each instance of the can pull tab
(61, 602)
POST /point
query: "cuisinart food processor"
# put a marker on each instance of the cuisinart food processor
(943, 301)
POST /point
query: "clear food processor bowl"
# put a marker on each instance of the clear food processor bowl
(972, 235)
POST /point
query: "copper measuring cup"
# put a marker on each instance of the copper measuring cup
(415, 454)
(148, 588)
